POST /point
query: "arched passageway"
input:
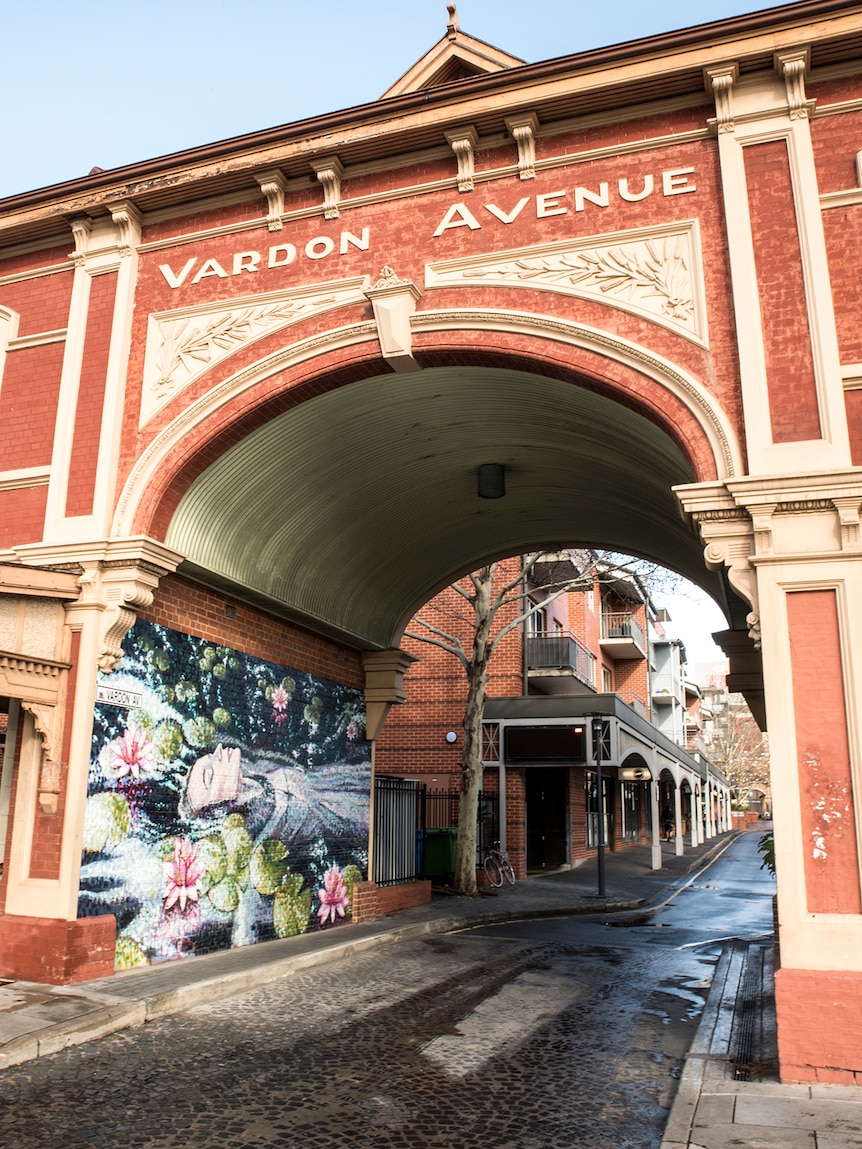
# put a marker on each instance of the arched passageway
(243, 426)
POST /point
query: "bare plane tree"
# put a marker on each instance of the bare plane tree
(496, 588)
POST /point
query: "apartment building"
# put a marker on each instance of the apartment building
(584, 679)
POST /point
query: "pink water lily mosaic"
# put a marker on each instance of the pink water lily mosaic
(229, 807)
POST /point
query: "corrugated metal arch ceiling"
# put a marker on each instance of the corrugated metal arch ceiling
(348, 512)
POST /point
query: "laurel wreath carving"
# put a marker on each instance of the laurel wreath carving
(190, 345)
(652, 268)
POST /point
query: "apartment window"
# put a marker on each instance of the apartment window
(607, 681)
(490, 742)
(537, 623)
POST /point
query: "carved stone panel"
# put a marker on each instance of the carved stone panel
(183, 345)
(654, 272)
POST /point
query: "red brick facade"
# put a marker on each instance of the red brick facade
(647, 257)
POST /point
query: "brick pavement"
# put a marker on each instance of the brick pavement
(712, 1109)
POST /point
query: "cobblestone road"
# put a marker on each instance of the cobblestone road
(543, 1035)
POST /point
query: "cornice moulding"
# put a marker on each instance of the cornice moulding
(484, 178)
(848, 198)
(22, 342)
(655, 60)
(35, 273)
(25, 477)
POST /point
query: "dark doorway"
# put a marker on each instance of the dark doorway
(547, 809)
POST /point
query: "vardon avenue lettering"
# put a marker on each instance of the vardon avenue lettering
(547, 205)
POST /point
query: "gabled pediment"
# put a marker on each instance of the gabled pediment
(456, 57)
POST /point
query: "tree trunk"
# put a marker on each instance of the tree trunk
(471, 760)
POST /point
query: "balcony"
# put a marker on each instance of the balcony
(622, 635)
(560, 664)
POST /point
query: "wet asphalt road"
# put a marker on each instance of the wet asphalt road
(562, 1033)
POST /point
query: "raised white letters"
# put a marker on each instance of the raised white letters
(246, 261)
(350, 240)
(211, 267)
(458, 215)
(675, 181)
(511, 216)
(601, 198)
(177, 280)
(548, 204)
(281, 254)
(319, 247)
(278, 255)
(633, 197)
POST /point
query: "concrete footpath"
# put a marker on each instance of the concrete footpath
(715, 1105)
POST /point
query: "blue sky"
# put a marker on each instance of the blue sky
(97, 83)
(104, 84)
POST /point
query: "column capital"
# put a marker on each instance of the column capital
(116, 578)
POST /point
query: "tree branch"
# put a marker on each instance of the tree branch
(448, 642)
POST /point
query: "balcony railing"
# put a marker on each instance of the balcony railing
(562, 652)
(622, 624)
(636, 703)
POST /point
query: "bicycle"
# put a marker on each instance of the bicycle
(497, 866)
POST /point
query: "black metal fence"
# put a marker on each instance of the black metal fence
(397, 837)
(415, 830)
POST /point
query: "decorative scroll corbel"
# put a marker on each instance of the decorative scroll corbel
(123, 601)
(118, 581)
(761, 521)
(720, 81)
(793, 66)
(523, 130)
(273, 185)
(848, 507)
(129, 222)
(81, 227)
(464, 142)
(730, 535)
(330, 173)
(734, 552)
(45, 721)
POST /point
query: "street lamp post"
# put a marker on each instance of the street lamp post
(598, 734)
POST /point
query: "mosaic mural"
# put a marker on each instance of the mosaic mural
(228, 799)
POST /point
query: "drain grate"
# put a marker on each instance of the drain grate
(746, 1015)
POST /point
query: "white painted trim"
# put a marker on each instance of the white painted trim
(238, 329)
(24, 477)
(750, 125)
(716, 425)
(67, 402)
(107, 246)
(848, 198)
(39, 340)
(549, 163)
(7, 769)
(808, 941)
(9, 320)
(818, 292)
(172, 435)
(29, 897)
(34, 272)
(697, 399)
(477, 270)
